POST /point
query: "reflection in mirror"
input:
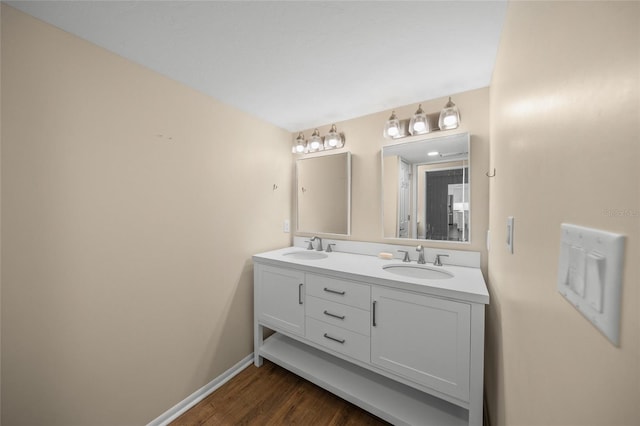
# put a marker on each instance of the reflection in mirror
(426, 189)
(323, 194)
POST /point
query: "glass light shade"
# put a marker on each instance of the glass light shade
(419, 124)
(299, 145)
(315, 142)
(392, 127)
(333, 139)
(449, 116)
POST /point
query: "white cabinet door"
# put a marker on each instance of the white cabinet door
(280, 298)
(424, 339)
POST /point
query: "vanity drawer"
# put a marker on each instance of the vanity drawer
(341, 291)
(349, 317)
(339, 339)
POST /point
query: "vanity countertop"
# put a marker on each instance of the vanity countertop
(467, 284)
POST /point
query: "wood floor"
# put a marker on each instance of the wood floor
(271, 395)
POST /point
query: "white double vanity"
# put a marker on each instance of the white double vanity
(404, 341)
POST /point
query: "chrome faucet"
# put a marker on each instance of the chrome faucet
(319, 246)
(438, 262)
(420, 251)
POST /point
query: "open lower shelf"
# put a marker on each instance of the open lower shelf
(381, 396)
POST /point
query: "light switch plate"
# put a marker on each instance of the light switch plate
(510, 234)
(590, 275)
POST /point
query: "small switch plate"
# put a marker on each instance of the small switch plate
(510, 234)
(590, 275)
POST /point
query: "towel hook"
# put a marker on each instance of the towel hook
(493, 175)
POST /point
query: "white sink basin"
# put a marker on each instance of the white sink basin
(306, 255)
(418, 271)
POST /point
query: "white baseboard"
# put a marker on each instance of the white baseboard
(181, 407)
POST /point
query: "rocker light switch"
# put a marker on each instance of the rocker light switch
(577, 260)
(590, 275)
(594, 280)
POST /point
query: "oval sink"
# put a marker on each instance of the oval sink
(418, 271)
(306, 255)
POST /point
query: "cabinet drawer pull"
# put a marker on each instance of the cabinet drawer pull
(341, 341)
(329, 314)
(328, 290)
(374, 313)
(300, 294)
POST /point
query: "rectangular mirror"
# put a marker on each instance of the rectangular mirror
(323, 194)
(426, 189)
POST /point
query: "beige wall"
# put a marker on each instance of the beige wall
(364, 139)
(565, 145)
(131, 206)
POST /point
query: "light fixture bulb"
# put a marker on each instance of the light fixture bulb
(449, 116)
(433, 153)
(419, 127)
(300, 145)
(315, 142)
(333, 138)
(418, 124)
(392, 126)
(450, 121)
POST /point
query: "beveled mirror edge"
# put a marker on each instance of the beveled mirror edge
(417, 139)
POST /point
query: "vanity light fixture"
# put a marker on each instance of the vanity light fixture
(300, 145)
(333, 139)
(392, 127)
(433, 153)
(449, 116)
(419, 124)
(317, 143)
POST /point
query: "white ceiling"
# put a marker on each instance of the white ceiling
(297, 64)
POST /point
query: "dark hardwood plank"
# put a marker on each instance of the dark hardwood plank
(271, 395)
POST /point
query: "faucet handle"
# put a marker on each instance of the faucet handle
(406, 255)
(438, 262)
(329, 249)
(310, 246)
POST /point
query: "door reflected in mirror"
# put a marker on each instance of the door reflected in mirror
(426, 189)
(323, 194)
